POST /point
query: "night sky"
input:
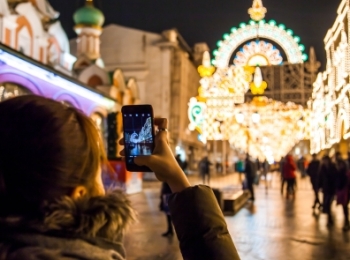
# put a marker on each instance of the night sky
(208, 20)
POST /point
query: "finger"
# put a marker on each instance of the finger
(142, 160)
(121, 141)
(122, 153)
(161, 122)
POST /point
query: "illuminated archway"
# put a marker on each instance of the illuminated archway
(271, 31)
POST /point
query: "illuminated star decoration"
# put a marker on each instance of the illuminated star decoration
(257, 11)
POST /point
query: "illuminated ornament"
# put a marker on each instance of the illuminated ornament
(258, 86)
(257, 11)
(270, 31)
(206, 70)
(196, 112)
(258, 53)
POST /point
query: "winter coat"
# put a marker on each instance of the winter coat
(92, 229)
(200, 225)
(328, 179)
(69, 229)
(289, 168)
(250, 170)
(313, 171)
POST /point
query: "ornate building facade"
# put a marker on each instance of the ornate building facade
(330, 97)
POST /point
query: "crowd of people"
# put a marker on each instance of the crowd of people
(329, 176)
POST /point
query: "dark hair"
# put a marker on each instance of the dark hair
(46, 150)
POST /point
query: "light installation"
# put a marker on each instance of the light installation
(330, 118)
(268, 129)
(213, 112)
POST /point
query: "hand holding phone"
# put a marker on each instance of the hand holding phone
(162, 161)
(138, 130)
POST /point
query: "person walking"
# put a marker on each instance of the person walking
(164, 196)
(204, 169)
(250, 174)
(281, 166)
(289, 175)
(327, 176)
(313, 170)
(301, 166)
(342, 188)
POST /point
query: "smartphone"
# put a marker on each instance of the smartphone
(138, 134)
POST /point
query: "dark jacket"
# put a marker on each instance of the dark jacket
(200, 225)
(92, 229)
(328, 179)
(313, 171)
(69, 229)
(250, 170)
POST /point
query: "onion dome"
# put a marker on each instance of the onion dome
(89, 15)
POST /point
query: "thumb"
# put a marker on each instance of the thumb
(141, 160)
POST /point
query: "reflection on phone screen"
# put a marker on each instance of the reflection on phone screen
(138, 134)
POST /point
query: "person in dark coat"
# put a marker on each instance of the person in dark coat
(301, 166)
(342, 188)
(204, 169)
(250, 174)
(313, 171)
(281, 166)
(327, 176)
(53, 203)
(164, 196)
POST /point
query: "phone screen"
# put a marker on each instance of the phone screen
(138, 133)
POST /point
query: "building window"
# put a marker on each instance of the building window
(9, 90)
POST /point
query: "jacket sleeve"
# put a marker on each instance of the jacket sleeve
(200, 225)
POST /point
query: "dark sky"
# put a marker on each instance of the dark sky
(208, 20)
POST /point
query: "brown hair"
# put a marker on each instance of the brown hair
(46, 150)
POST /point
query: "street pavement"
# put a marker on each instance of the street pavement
(272, 228)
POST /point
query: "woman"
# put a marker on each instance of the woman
(289, 174)
(53, 203)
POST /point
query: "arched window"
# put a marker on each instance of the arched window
(9, 90)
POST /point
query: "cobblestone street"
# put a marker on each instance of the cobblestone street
(273, 228)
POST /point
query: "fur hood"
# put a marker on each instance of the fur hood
(90, 223)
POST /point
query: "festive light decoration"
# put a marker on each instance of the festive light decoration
(330, 117)
(258, 53)
(256, 125)
(258, 11)
(218, 110)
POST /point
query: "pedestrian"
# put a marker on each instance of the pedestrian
(289, 175)
(301, 166)
(313, 171)
(327, 176)
(204, 169)
(54, 205)
(342, 188)
(250, 175)
(281, 165)
(164, 197)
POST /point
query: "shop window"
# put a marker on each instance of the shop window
(9, 90)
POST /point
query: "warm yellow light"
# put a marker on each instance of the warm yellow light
(257, 11)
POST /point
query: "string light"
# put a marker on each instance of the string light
(330, 107)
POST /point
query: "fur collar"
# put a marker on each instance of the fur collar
(104, 217)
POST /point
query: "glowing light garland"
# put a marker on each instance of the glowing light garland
(330, 118)
(271, 31)
(256, 125)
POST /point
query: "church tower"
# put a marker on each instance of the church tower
(88, 26)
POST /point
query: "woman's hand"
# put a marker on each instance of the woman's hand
(162, 162)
